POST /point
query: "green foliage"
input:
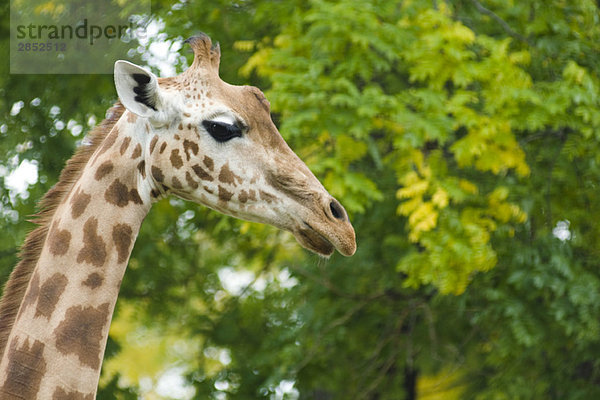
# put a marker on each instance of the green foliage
(461, 137)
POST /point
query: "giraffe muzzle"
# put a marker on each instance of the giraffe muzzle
(324, 235)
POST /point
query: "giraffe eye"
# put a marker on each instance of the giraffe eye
(222, 131)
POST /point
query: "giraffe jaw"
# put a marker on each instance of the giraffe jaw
(323, 241)
(312, 240)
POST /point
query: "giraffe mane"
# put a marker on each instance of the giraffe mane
(29, 254)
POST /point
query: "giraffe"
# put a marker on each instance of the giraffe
(193, 136)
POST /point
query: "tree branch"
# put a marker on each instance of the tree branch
(499, 20)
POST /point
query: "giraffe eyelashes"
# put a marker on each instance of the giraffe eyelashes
(222, 131)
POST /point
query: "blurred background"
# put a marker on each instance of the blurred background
(463, 138)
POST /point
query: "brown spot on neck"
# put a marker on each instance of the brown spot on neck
(104, 169)
(119, 195)
(224, 194)
(108, 142)
(153, 143)
(28, 367)
(63, 394)
(79, 203)
(50, 293)
(32, 293)
(125, 145)
(176, 183)
(122, 236)
(81, 333)
(93, 281)
(176, 160)
(190, 181)
(163, 146)
(202, 174)
(134, 196)
(141, 167)
(157, 174)
(136, 152)
(58, 240)
(94, 249)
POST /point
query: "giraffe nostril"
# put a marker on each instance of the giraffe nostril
(337, 210)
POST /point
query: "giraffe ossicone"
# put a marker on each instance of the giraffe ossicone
(193, 136)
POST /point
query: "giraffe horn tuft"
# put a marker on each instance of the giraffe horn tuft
(206, 54)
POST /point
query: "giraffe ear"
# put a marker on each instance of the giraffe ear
(137, 88)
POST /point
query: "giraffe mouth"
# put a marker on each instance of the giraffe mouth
(312, 240)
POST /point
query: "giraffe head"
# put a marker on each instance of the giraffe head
(214, 143)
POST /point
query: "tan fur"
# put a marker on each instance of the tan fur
(16, 285)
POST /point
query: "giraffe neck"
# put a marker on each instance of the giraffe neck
(57, 342)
